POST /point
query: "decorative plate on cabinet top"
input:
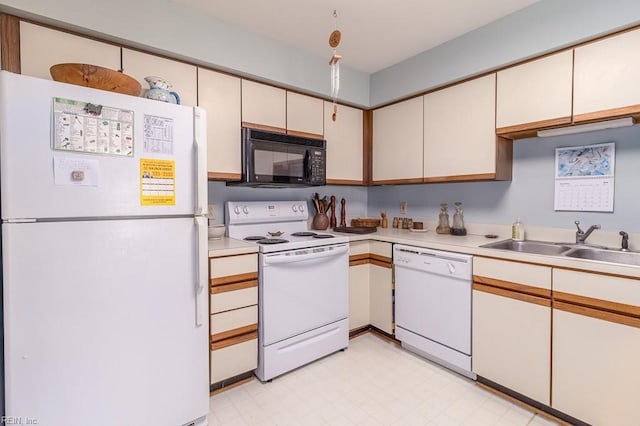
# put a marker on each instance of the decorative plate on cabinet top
(96, 77)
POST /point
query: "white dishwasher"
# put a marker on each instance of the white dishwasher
(433, 305)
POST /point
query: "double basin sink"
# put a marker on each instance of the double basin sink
(576, 251)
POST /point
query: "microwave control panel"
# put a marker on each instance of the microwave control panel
(318, 166)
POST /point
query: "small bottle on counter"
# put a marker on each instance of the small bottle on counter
(517, 230)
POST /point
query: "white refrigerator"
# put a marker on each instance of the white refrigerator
(104, 257)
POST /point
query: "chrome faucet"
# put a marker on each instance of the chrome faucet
(581, 235)
(625, 241)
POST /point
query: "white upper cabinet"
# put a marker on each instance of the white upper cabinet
(183, 77)
(41, 48)
(264, 106)
(344, 144)
(304, 115)
(459, 131)
(606, 77)
(535, 94)
(397, 142)
(219, 94)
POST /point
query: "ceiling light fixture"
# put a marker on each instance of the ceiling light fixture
(334, 63)
(589, 127)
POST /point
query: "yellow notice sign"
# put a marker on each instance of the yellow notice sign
(157, 182)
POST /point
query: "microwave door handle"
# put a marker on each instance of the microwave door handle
(307, 166)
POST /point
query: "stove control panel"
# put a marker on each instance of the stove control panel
(265, 211)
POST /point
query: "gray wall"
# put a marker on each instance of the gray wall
(542, 27)
(530, 194)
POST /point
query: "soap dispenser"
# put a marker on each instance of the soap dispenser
(517, 230)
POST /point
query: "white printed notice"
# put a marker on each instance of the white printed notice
(96, 129)
(585, 178)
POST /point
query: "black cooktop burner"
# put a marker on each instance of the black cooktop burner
(272, 241)
(303, 234)
(254, 238)
(323, 236)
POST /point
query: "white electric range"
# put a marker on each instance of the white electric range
(303, 284)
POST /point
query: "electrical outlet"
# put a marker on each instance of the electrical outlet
(403, 207)
(211, 212)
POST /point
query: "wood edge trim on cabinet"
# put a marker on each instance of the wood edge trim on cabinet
(604, 305)
(631, 110)
(381, 264)
(380, 258)
(512, 294)
(223, 288)
(597, 314)
(367, 146)
(511, 286)
(460, 178)
(305, 134)
(264, 127)
(234, 341)
(358, 257)
(514, 132)
(345, 182)
(358, 262)
(504, 159)
(229, 279)
(216, 388)
(525, 262)
(397, 181)
(223, 176)
(235, 332)
(10, 43)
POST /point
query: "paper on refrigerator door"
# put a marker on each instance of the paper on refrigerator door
(75, 171)
(157, 182)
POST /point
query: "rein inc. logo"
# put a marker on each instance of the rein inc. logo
(17, 420)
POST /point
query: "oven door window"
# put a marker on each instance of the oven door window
(279, 163)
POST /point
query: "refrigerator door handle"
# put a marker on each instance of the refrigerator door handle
(202, 270)
(200, 143)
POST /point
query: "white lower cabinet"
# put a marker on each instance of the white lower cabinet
(596, 347)
(511, 343)
(233, 325)
(370, 285)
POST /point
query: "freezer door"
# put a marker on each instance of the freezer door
(112, 184)
(100, 323)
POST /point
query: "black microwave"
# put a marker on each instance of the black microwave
(277, 159)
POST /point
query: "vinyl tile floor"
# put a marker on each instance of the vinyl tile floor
(373, 382)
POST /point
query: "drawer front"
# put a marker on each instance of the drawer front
(233, 360)
(381, 249)
(230, 320)
(358, 247)
(233, 265)
(597, 286)
(221, 302)
(514, 272)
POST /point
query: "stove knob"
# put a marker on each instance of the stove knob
(294, 208)
(236, 210)
(245, 210)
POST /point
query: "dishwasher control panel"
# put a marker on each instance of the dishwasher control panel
(439, 262)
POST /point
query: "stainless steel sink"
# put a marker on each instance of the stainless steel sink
(533, 247)
(613, 256)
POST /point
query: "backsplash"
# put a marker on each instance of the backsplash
(356, 197)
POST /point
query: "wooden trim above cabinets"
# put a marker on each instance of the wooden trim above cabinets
(224, 176)
(460, 178)
(367, 147)
(305, 134)
(263, 127)
(10, 43)
(529, 130)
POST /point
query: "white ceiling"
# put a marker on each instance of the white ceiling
(375, 33)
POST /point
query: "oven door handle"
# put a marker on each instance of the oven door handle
(307, 254)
